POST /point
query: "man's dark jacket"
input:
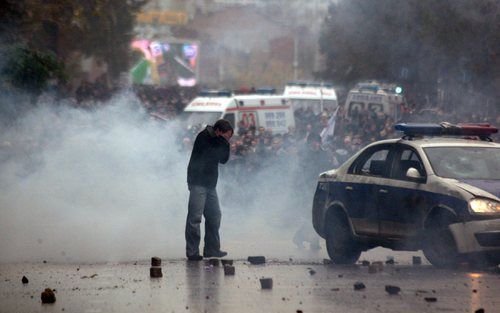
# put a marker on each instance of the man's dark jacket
(208, 151)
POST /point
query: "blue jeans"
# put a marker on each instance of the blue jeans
(204, 202)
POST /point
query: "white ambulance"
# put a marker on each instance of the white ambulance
(272, 112)
(317, 96)
(376, 97)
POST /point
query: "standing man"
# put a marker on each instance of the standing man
(211, 147)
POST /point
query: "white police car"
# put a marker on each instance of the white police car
(428, 190)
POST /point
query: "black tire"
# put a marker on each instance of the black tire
(439, 245)
(340, 243)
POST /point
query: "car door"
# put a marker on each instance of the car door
(401, 200)
(363, 179)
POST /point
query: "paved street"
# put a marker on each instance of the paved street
(306, 285)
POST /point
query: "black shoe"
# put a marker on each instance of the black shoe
(217, 254)
(196, 257)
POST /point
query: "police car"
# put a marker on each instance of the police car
(432, 190)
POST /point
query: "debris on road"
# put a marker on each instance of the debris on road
(431, 299)
(266, 283)
(359, 286)
(392, 290)
(229, 270)
(155, 261)
(312, 272)
(155, 272)
(24, 280)
(416, 260)
(257, 259)
(91, 276)
(48, 296)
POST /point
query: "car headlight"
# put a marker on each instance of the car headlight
(484, 206)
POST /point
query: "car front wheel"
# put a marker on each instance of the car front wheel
(439, 246)
(340, 243)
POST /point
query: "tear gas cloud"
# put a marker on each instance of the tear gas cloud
(109, 184)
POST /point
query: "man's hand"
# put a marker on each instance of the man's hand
(227, 135)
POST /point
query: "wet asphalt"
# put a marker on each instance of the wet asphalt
(302, 285)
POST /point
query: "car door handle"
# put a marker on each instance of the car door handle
(383, 191)
(349, 188)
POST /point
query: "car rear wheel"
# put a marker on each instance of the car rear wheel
(439, 246)
(340, 243)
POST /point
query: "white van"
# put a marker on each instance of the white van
(269, 111)
(376, 97)
(317, 96)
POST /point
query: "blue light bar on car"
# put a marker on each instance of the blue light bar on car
(446, 129)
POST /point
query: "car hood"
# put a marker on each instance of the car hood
(481, 188)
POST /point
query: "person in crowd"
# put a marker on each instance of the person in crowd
(210, 149)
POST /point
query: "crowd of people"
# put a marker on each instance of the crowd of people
(253, 148)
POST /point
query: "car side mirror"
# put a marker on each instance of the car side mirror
(413, 174)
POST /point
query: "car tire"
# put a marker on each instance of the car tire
(340, 243)
(439, 245)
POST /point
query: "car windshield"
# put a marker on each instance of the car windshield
(465, 162)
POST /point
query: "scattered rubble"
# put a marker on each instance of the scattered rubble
(155, 261)
(257, 259)
(229, 270)
(266, 283)
(155, 270)
(91, 276)
(24, 280)
(48, 296)
(359, 286)
(392, 290)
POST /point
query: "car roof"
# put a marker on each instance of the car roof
(425, 142)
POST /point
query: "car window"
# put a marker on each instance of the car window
(372, 162)
(465, 162)
(407, 158)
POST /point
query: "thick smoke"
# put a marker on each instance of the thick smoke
(109, 184)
